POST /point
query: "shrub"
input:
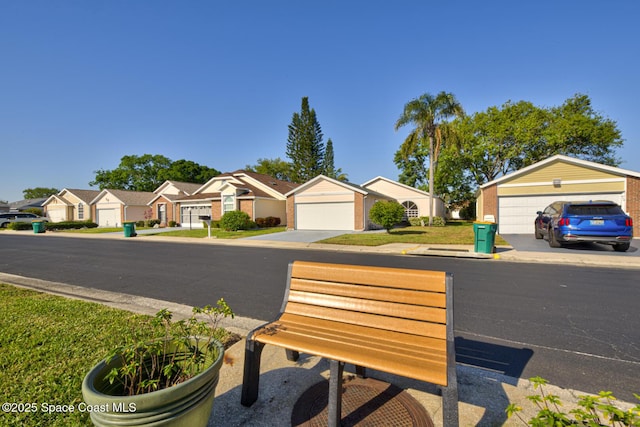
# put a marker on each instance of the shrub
(152, 222)
(140, 224)
(70, 225)
(19, 226)
(172, 224)
(235, 220)
(269, 221)
(386, 214)
(438, 221)
(592, 410)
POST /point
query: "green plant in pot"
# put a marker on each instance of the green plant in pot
(168, 381)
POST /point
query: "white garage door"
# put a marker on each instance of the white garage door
(325, 216)
(107, 217)
(56, 215)
(517, 213)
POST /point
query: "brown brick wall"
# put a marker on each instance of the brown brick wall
(216, 210)
(359, 212)
(291, 213)
(633, 200)
(169, 210)
(490, 202)
(246, 206)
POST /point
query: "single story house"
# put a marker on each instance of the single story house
(414, 201)
(258, 195)
(70, 205)
(325, 203)
(23, 205)
(111, 208)
(165, 204)
(514, 199)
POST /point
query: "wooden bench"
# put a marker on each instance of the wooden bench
(393, 320)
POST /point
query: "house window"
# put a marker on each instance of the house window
(228, 204)
(410, 209)
(80, 211)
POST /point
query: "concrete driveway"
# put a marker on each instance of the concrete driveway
(300, 236)
(528, 243)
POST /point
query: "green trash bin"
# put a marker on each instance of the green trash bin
(38, 227)
(484, 236)
(129, 229)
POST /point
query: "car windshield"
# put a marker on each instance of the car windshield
(594, 210)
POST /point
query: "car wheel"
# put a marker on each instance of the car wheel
(553, 242)
(621, 247)
(536, 231)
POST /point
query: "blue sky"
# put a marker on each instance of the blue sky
(83, 83)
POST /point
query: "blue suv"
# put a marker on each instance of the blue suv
(593, 221)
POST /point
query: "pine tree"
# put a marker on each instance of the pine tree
(329, 167)
(304, 144)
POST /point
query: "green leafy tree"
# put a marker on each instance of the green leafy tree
(136, 173)
(276, 168)
(575, 129)
(39, 192)
(427, 114)
(505, 139)
(305, 148)
(188, 171)
(387, 214)
(148, 172)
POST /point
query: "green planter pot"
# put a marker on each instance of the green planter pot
(185, 404)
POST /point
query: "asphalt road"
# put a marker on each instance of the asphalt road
(578, 327)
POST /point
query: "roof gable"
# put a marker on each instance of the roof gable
(388, 186)
(126, 197)
(554, 160)
(261, 185)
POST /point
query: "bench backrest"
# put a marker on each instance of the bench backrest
(417, 302)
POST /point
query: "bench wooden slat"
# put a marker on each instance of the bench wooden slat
(405, 296)
(379, 276)
(407, 326)
(361, 305)
(432, 370)
(420, 347)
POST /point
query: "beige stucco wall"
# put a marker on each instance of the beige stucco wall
(134, 213)
(324, 191)
(392, 190)
(270, 207)
(403, 194)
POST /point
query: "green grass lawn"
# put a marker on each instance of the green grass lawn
(454, 233)
(47, 345)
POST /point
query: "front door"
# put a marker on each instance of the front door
(162, 214)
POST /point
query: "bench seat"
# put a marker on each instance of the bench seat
(421, 358)
(392, 320)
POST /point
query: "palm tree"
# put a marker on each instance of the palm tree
(428, 114)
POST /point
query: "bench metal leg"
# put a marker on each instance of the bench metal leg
(251, 377)
(292, 355)
(450, 405)
(335, 392)
(361, 371)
